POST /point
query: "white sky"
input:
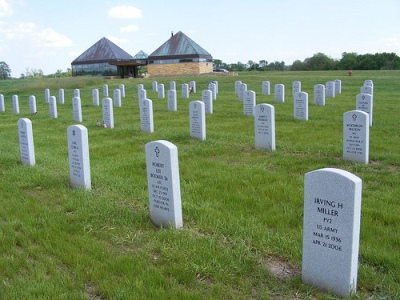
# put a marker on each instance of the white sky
(50, 34)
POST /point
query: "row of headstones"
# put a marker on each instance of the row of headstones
(332, 206)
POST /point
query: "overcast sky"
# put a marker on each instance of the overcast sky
(50, 34)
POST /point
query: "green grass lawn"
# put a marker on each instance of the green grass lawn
(242, 208)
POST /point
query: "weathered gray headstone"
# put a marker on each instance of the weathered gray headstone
(53, 107)
(105, 90)
(172, 85)
(46, 95)
(32, 104)
(164, 184)
(206, 97)
(26, 147)
(161, 92)
(264, 126)
(338, 86)
(122, 89)
(266, 88)
(197, 117)
(185, 91)
(365, 102)
(356, 136)
(117, 98)
(249, 101)
(61, 98)
(279, 93)
(172, 104)
(300, 100)
(108, 112)
(77, 93)
(331, 230)
(78, 157)
(95, 97)
(77, 109)
(296, 87)
(319, 94)
(2, 107)
(15, 103)
(146, 115)
(330, 89)
(154, 86)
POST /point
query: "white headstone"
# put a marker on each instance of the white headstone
(249, 101)
(105, 90)
(367, 89)
(369, 82)
(154, 86)
(142, 95)
(95, 97)
(140, 87)
(185, 91)
(331, 230)
(356, 136)
(26, 148)
(264, 126)
(279, 93)
(161, 92)
(32, 104)
(2, 108)
(117, 98)
(77, 93)
(213, 88)
(365, 102)
(296, 87)
(78, 157)
(172, 85)
(237, 86)
(197, 117)
(206, 97)
(15, 102)
(266, 88)
(108, 113)
(53, 107)
(300, 100)
(46, 95)
(172, 104)
(338, 87)
(77, 109)
(192, 86)
(122, 89)
(330, 89)
(146, 115)
(164, 184)
(61, 98)
(319, 94)
(242, 90)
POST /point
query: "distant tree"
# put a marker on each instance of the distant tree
(319, 61)
(349, 61)
(5, 71)
(263, 65)
(277, 66)
(297, 66)
(217, 63)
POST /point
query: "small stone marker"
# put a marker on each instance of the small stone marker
(266, 88)
(338, 86)
(146, 115)
(192, 86)
(249, 101)
(237, 86)
(15, 102)
(164, 184)
(356, 136)
(108, 113)
(301, 106)
(331, 230)
(172, 104)
(2, 108)
(142, 95)
(95, 97)
(161, 92)
(279, 93)
(117, 98)
(32, 104)
(206, 97)
(122, 89)
(77, 109)
(154, 86)
(172, 85)
(330, 89)
(213, 88)
(264, 126)
(105, 90)
(242, 90)
(77, 93)
(197, 117)
(140, 87)
(26, 148)
(185, 91)
(78, 157)
(364, 102)
(296, 87)
(53, 107)
(46, 95)
(61, 98)
(319, 94)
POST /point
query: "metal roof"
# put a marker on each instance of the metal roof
(103, 51)
(140, 55)
(179, 46)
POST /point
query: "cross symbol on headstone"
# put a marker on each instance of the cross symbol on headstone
(363, 97)
(354, 117)
(157, 151)
(73, 132)
(262, 108)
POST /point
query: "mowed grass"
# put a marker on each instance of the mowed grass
(242, 208)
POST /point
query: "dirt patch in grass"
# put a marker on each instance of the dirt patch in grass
(280, 268)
